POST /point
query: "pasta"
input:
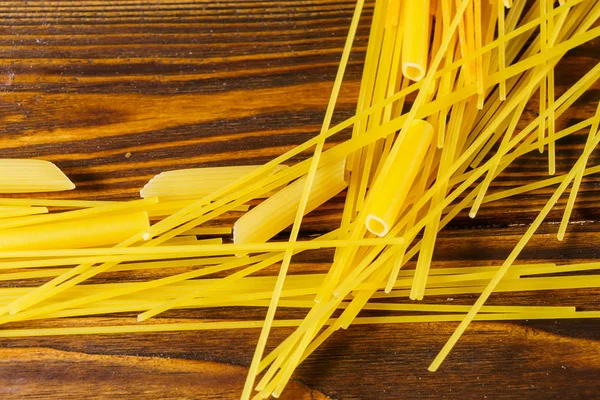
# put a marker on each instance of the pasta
(407, 163)
(16, 211)
(90, 232)
(29, 176)
(208, 230)
(277, 213)
(439, 117)
(195, 183)
(415, 49)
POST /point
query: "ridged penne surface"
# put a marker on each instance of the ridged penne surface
(195, 183)
(277, 212)
(82, 233)
(30, 176)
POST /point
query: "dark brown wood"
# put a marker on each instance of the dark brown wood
(115, 92)
(43, 373)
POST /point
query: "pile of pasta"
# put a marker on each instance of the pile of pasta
(444, 88)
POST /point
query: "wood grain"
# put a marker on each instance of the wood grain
(44, 373)
(183, 83)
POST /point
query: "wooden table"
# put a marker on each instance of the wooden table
(115, 92)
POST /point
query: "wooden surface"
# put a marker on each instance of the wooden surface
(115, 92)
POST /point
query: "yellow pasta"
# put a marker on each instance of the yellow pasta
(277, 212)
(502, 49)
(312, 170)
(221, 325)
(195, 183)
(206, 249)
(551, 96)
(384, 210)
(275, 385)
(113, 208)
(415, 47)
(168, 207)
(55, 203)
(19, 211)
(577, 181)
(494, 282)
(130, 306)
(477, 17)
(183, 240)
(367, 95)
(473, 66)
(209, 230)
(78, 234)
(445, 277)
(543, 87)
(29, 176)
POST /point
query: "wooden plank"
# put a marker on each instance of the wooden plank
(115, 92)
(47, 373)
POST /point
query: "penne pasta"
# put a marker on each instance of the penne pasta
(277, 212)
(30, 176)
(385, 207)
(85, 233)
(195, 183)
(415, 46)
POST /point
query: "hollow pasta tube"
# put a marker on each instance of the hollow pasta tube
(29, 176)
(277, 212)
(405, 167)
(93, 232)
(415, 45)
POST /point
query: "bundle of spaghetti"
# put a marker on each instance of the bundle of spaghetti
(518, 270)
(508, 134)
(201, 212)
(58, 262)
(457, 153)
(175, 326)
(83, 272)
(249, 291)
(30, 176)
(444, 92)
